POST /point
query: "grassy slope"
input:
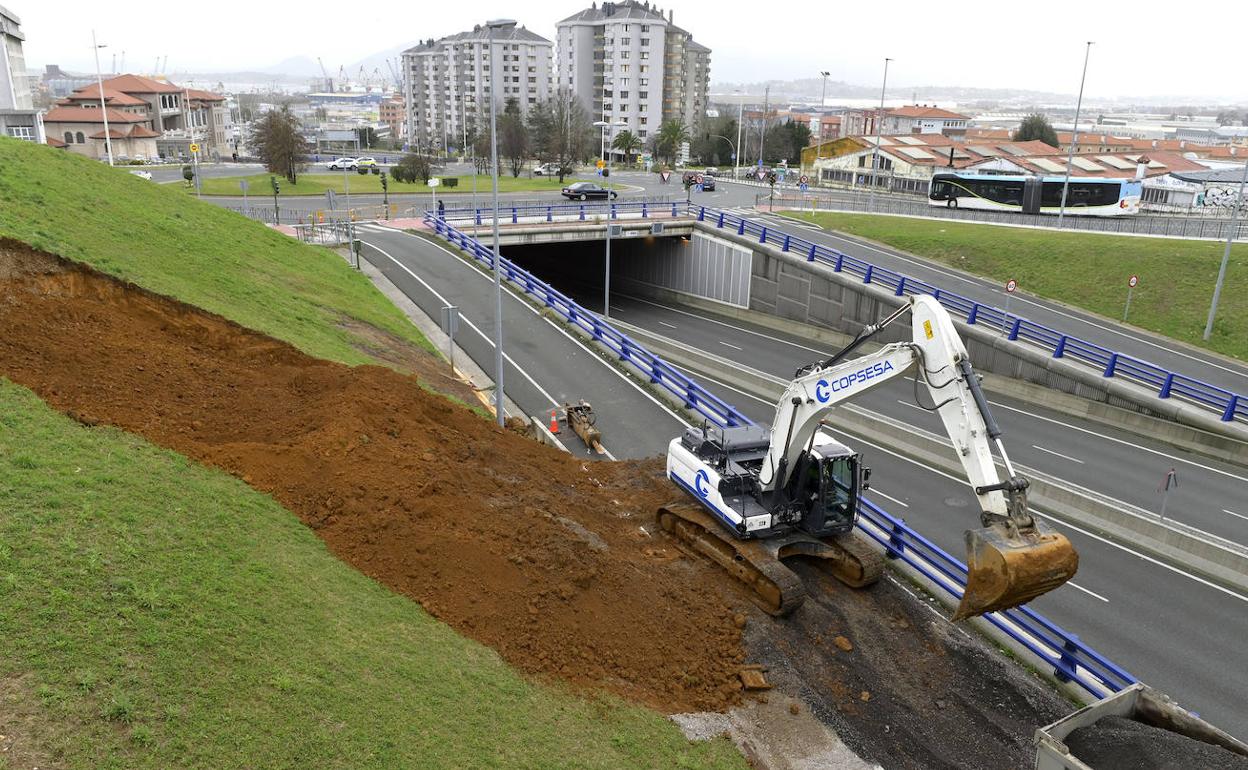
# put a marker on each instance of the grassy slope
(1085, 270)
(173, 617)
(197, 252)
(159, 614)
(318, 183)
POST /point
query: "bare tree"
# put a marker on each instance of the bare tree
(513, 136)
(559, 131)
(276, 140)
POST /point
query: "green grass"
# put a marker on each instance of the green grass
(199, 253)
(166, 615)
(1085, 270)
(318, 183)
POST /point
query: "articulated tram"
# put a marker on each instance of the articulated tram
(1036, 194)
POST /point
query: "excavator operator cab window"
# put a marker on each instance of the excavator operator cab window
(839, 487)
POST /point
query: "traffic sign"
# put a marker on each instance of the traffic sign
(665, 175)
(698, 188)
(1133, 281)
(194, 147)
(434, 181)
(805, 187)
(242, 183)
(601, 163)
(1011, 285)
(805, 179)
(700, 179)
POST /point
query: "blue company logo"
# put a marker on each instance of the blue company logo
(699, 482)
(824, 389)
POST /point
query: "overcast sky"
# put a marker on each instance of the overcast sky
(1143, 47)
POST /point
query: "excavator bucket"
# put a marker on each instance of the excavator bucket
(1007, 566)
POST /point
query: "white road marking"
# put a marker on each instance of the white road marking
(1073, 584)
(665, 323)
(913, 405)
(1233, 513)
(875, 492)
(512, 293)
(729, 345)
(721, 323)
(1057, 454)
(1174, 458)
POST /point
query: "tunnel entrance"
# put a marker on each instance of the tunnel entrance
(700, 265)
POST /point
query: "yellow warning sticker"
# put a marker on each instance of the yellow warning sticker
(927, 329)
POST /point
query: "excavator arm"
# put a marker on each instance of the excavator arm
(1013, 557)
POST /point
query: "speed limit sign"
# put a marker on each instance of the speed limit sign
(1133, 281)
(805, 179)
(1011, 285)
(701, 178)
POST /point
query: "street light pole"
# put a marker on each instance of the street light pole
(736, 159)
(1074, 136)
(1226, 253)
(726, 139)
(762, 131)
(99, 80)
(498, 257)
(879, 128)
(823, 97)
(606, 280)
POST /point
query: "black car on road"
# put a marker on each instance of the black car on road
(582, 191)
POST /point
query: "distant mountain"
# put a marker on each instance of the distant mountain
(378, 60)
(295, 66)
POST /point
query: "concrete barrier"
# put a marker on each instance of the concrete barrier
(1217, 559)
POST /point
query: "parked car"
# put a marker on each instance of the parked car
(708, 183)
(366, 162)
(340, 163)
(585, 190)
(547, 169)
(711, 171)
(143, 175)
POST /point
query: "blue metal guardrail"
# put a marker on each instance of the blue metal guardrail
(1165, 383)
(548, 212)
(1228, 405)
(1072, 661)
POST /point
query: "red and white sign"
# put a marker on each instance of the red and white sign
(701, 179)
(805, 179)
(1133, 281)
(1011, 285)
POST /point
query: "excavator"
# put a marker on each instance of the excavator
(767, 494)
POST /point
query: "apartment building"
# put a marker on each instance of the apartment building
(446, 82)
(18, 117)
(626, 62)
(393, 113)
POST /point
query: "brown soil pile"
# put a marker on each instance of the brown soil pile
(534, 553)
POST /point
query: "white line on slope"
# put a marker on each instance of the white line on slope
(1233, 513)
(875, 492)
(1057, 454)
(1073, 584)
(665, 323)
(729, 345)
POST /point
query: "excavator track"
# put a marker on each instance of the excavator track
(759, 564)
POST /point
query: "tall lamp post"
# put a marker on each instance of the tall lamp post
(879, 127)
(1074, 136)
(607, 130)
(1226, 253)
(731, 146)
(99, 80)
(823, 97)
(496, 24)
(736, 159)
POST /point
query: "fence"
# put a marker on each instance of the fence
(1072, 661)
(1197, 225)
(1163, 382)
(588, 211)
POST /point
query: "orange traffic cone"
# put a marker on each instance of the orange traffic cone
(554, 421)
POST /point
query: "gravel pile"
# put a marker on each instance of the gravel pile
(1119, 743)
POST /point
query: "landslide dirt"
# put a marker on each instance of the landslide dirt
(534, 553)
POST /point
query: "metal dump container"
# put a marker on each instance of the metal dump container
(1139, 702)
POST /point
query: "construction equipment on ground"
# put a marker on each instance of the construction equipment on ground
(765, 494)
(581, 419)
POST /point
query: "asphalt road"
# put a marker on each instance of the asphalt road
(546, 366)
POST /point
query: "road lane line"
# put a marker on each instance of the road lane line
(665, 323)
(1141, 447)
(512, 292)
(875, 492)
(1057, 454)
(913, 405)
(1073, 584)
(1233, 513)
(721, 323)
(729, 345)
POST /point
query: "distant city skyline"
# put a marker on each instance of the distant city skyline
(975, 44)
